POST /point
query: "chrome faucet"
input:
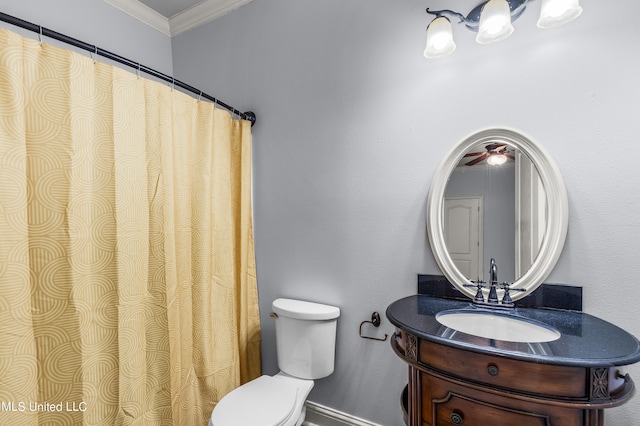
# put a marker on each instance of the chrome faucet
(493, 282)
(493, 271)
(492, 299)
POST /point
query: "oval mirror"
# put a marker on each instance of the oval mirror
(499, 195)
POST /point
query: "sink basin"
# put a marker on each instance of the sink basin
(497, 325)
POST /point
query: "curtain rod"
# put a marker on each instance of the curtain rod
(248, 115)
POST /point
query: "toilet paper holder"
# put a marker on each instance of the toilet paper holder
(375, 321)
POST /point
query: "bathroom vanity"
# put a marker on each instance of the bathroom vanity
(457, 378)
(484, 357)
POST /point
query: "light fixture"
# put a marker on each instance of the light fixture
(495, 22)
(557, 12)
(492, 21)
(439, 38)
(496, 159)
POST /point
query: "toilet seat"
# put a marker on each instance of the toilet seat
(265, 401)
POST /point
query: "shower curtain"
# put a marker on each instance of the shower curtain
(127, 275)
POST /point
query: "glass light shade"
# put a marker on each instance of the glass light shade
(439, 38)
(496, 159)
(495, 22)
(558, 12)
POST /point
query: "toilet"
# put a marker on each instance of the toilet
(305, 344)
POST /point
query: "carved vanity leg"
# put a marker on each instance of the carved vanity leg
(415, 398)
(594, 418)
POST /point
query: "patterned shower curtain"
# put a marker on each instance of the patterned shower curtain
(127, 276)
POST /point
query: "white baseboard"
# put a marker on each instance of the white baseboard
(319, 415)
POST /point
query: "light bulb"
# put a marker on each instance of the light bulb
(496, 159)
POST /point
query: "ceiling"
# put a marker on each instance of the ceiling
(173, 17)
(169, 8)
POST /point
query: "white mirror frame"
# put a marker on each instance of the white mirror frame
(557, 210)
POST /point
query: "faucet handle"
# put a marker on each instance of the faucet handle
(507, 286)
(506, 299)
(479, 297)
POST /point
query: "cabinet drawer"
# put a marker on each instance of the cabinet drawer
(527, 377)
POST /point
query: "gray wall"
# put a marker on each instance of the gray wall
(97, 23)
(353, 121)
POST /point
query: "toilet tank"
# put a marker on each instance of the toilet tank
(305, 337)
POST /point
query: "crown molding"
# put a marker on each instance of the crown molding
(184, 21)
(202, 13)
(142, 13)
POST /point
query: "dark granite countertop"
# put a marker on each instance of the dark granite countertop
(586, 341)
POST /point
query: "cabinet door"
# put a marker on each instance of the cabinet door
(448, 401)
(460, 410)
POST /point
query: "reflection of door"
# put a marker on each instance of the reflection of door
(463, 234)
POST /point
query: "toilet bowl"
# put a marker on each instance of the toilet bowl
(266, 401)
(305, 345)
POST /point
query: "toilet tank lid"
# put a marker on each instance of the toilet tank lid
(300, 309)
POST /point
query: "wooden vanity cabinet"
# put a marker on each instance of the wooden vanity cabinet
(452, 386)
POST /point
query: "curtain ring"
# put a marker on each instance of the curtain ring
(95, 54)
(173, 83)
(200, 96)
(40, 35)
(138, 71)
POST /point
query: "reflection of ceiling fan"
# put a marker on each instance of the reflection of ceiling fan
(495, 154)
